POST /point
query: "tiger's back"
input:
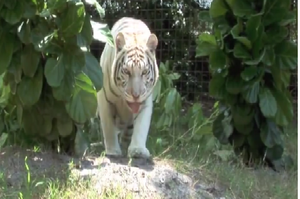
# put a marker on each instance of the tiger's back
(130, 73)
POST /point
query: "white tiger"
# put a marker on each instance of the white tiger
(130, 73)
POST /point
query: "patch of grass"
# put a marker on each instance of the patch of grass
(211, 166)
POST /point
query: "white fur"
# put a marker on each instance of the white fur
(117, 106)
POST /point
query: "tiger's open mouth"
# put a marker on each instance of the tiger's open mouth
(134, 106)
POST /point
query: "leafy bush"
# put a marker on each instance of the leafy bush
(46, 61)
(251, 60)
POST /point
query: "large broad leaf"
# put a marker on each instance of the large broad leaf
(249, 73)
(13, 15)
(285, 111)
(217, 60)
(54, 71)
(65, 90)
(252, 26)
(222, 129)
(30, 88)
(172, 104)
(41, 36)
(240, 51)
(242, 8)
(64, 126)
(56, 4)
(275, 34)
(267, 103)
(281, 78)
(275, 152)
(234, 84)
(217, 87)
(257, 59)
(93, 70)
(244, 129)
(204, 16)
(269, 56)
(251, 93)
(24, 32)
(236, 31)
(102, 33)
(7, 47)
(217, 8)
(73, 19)
(275, 10)
(242, 114)
(87, 31)
(206, 44)
(30, 59)
(290, 17)
(270, 134)
(74, 58)
(83, 103)
(286, 55)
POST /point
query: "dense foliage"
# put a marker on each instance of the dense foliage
(251, 60)
(51, 75)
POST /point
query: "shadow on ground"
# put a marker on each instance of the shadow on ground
(141, 178)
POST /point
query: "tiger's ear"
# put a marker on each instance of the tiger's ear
(120, 41)
(152, 42)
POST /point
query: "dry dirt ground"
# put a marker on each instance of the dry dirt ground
(141, 178)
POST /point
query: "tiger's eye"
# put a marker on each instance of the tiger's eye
(144, 72)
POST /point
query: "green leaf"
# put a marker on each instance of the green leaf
(13, 15)
(15, 67)
(30, 59)
(204, 16)
(275, 10)
(10, 4)
(65, 90)
(270, 134)
(99, 9)
(219, 130)
(285, 111)
(275, 152)
(93, 70)
(288, 19)
(242, 114)
(73, 19)
(238, 140)
(251, 94)
(217, 60)
(267, 103)
(3, 139)
(102, 33)
(254, 139)
(216, 86)
(252, 27)
(41, 36)
(170, 99)
(206, 44)
(24, 32)
(56, 4)
(54, 71)
(269, 57)
(87, 31)
(240, 51)
(30, 88)
(64, 126)
(275, 34)
(286, 55)
(217, 8)
(234, 85)
(7, 47)
(83, 103)
(256, 60)
(81, 143)
(222, 25)
(249, 73)
(244, 129)
(242, 8)
(74, 59)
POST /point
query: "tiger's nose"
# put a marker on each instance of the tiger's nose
(135, 96)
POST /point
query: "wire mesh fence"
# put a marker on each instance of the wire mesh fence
(177, 26)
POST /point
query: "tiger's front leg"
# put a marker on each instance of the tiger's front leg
(137, 147)
(110, 131)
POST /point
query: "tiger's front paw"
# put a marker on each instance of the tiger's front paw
(138, 152)
(113, 152)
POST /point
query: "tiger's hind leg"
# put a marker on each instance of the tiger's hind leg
(110, 131)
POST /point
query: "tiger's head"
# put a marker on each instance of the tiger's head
(135, 70)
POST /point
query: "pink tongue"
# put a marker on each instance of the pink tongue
(134, 107)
